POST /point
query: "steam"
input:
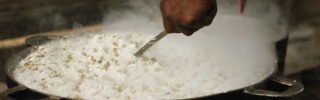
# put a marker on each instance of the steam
(142, 16)
(246, 39)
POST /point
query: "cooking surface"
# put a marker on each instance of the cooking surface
(118, 63)
(231, 73)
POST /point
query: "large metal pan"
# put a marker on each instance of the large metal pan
(261, 11)
(294, 86)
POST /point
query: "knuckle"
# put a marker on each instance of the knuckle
(189, 21)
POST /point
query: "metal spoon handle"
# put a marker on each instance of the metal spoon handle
(150, 43)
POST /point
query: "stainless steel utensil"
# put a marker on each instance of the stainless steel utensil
(150, 43)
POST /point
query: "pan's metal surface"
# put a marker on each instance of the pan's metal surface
(296, 86)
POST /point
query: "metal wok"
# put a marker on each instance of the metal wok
(294, 86)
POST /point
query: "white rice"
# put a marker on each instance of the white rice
(103, 67)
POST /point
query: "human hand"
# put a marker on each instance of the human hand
(187, 16)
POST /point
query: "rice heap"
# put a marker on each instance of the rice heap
(102, 66)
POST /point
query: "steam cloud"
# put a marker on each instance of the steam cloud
(246, 39)
(134, 16)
